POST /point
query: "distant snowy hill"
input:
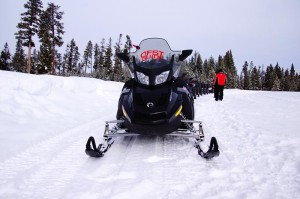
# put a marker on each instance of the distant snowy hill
(46, 120)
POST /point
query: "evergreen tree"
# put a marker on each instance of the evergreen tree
(193, 65)
(261, 76)
(117, 74)
(107, 66)
(96, 64)
(28, 26)
(5, 58)
(59, 62)
(255, 82)
(199, 64)
(246, 78)
(278, 71)
(19, 60)
(286, 84)
(293, 83)
(204, 76)
(102, 59)
(45, 57)
(51, 31)
(269, 77)
(127, 47)
(88, 56)
(71, 58)
(99, 61)
(230, 70)
(188, 67)
(241, 81)
(34, 62)
(298, 81)
(276, 85)
(221, 63)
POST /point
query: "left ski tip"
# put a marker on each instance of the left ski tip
(209, 154)
(94, 153)
(213, 150)
(91, 149)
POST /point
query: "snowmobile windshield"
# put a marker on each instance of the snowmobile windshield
(153, 53)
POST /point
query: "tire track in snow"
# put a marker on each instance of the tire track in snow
(98, 176)
(51, 158)
(248, 153)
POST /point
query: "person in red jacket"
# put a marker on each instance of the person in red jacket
(219, 83)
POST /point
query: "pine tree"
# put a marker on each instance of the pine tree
(102, 59)
(19, 60)
(107, 66)
(127, 47)
(241, 81)
(51, 31)
(96, 64)
(276, 84)
(5, 58)
(298, 81)
(193, 65)
(221, 63)
(87, 56)
(230, 70)
(269, 78)
(99, 60)
(278, 71)
(286, 83)
(117, 74)
(34, 62)
(199, 66)
(45, 57)
(293, 83)
(255, 82)
(59, 62)
(71, 58)
(29, 25)
(261, 73)
(246, 78)
(204, 75)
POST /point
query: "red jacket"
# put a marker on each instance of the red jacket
(220, 79)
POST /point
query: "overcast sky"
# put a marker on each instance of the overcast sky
(262, 31)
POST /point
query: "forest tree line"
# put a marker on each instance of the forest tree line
(99, 60)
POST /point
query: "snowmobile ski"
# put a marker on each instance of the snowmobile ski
(213, 150)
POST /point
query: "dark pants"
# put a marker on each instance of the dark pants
(218, 95)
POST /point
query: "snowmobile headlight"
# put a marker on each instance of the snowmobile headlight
(142, 78)
(162, 77)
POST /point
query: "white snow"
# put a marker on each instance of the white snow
(46, 120)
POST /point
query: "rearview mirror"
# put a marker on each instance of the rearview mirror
(123, 57)
(185, 54)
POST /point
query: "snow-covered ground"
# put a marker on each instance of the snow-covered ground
(46, 120)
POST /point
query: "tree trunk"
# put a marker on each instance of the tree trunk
(29, 57)
(53, 62)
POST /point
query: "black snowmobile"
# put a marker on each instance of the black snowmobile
(155, 101)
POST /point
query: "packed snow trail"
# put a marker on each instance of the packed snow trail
(46, 121)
